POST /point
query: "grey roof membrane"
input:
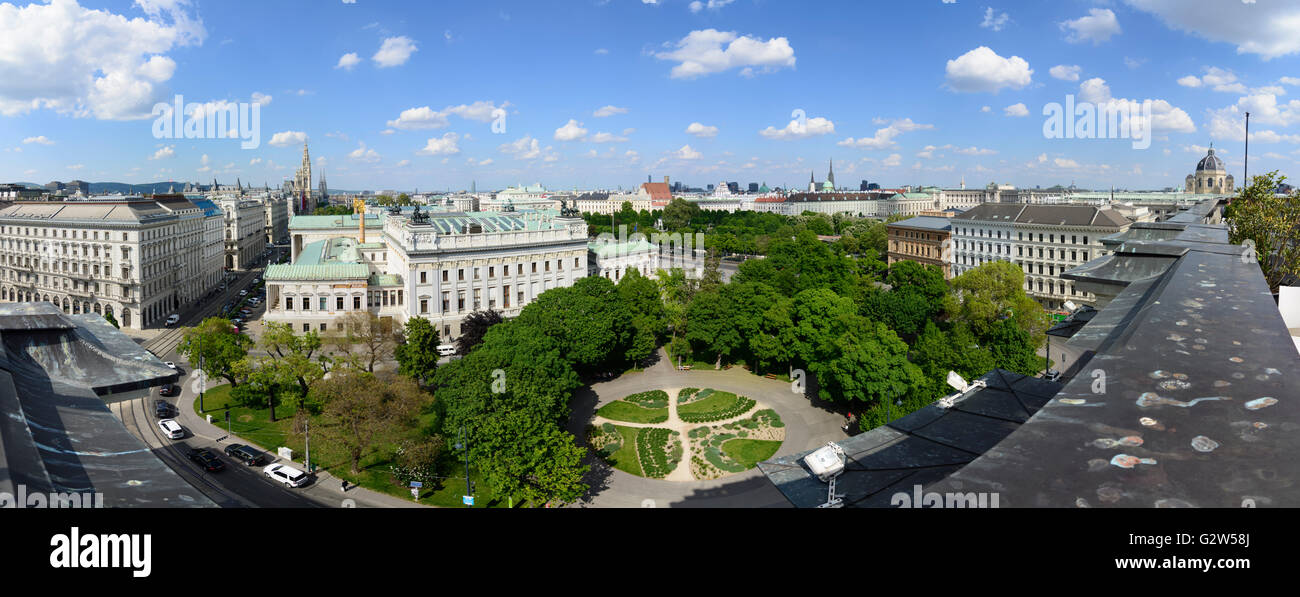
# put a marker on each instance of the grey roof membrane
(920, 448)
(57, 434)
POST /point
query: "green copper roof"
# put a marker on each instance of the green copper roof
(385, 280)
(375, 221)
(318, 273)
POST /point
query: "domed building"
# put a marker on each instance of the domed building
(1211, 176)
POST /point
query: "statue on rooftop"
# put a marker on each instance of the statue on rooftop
(419, 217)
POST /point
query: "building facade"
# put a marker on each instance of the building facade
(1210, 177)
(1043, 240)
(137, 259)
(440, 266)
(245, 232)
(924, 239)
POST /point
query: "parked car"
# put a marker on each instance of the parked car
(446, 350)
(245, 454)
(170, 390)
(243, 293)
(162, 409)
(170, 364)
(171, 428)
(206, 459)
(283, 473)
(173, 319)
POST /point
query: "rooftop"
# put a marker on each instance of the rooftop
(925, 223)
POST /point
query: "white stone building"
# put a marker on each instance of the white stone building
(245, 232)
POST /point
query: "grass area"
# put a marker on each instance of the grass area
(749, 452)
(625, 458)
(631, 413)
(255, 426)
(660, 450)
(715, 407)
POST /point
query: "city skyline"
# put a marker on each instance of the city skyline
(602, 94)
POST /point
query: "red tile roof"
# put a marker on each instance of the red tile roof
(658, 191)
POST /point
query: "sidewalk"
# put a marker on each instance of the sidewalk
(324, 490)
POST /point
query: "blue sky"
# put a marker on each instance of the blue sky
(915, 92)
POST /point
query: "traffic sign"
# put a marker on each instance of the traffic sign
(416, 484)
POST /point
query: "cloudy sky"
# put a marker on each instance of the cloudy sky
(603, 93)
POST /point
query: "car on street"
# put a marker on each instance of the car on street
(243, 293)
(206, 459)
(162, 409)
(245, 454)
(170, 390)
(170, 364)
(173, 319)
(171, 428)
(237, 321)
(283, 473)
(1053, 375)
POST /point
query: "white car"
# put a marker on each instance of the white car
(171, 428)
(173, 319)
(243, 293)
(447, 350)
(170, 364)
(291, 477)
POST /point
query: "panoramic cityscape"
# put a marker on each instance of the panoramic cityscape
(499, 255)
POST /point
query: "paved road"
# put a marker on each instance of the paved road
(809, 424)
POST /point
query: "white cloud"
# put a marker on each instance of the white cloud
(525, 148)
(364, 154)
(1016, 110)
(1099, 26)
(395, 51)
(711, 51)
(1064, 163)
(698, 6)
(811, 127)
(982, 70)
(607, 138)
(702, 131)
(288, 138)
(164, 153)
(1165, 117)
(261, 99)
(571, 131)
(41, 140)
(884, 137)
(403, 164)
(90, 63)
(1190, 81)
(425, 117)
(1065, 73)
(893, 161)
(686, 153)
(1267, 29)
(986, 109)
(993, 20)
(347, 61)
(448, 144)
(608, 111)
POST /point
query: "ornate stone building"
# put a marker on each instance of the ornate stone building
(1211, 176)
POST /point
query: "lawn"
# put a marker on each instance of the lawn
(631, 413)
(717, 406)
(255, 426)
(750, 452)
(625, 458)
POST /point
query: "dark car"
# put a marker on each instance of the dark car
(162, 409)
(245, 454)
(206, 459)
(170, 390)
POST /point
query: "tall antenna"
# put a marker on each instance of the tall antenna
(1245, 174)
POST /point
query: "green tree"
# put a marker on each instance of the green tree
(805, 263)
(678, 214)
(533, 460)
(417, 355)
(474, 327)
(937, 353)
(643, 300)
(991, 293)
(216, 348)
(1271, 223)
(360, 410)
(589, 321)
(111, 320)
(366, 338)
